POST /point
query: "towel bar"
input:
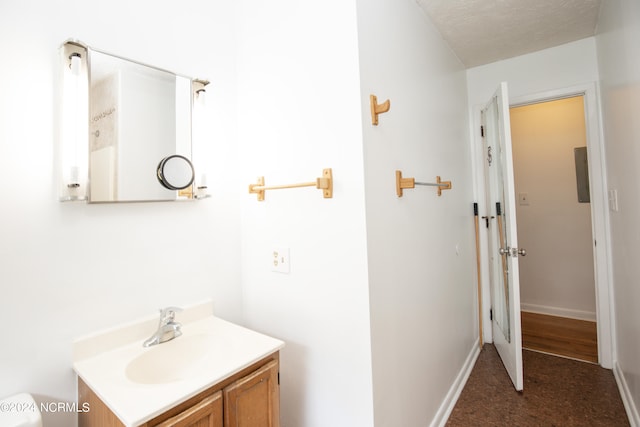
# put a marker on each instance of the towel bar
(405, 183)
(324, 183)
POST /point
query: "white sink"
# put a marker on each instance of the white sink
(139, 383)
(175, 360)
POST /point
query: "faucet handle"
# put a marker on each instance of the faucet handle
(168, 313)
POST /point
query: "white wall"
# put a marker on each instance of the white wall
(69, 269)
(299, 112)
(619, 65)
(559, 67)
(421, 247)
(557, 276)
(302, 107)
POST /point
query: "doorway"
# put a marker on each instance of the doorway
(599, 210)
(558, 298)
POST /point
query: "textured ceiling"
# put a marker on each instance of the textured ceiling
(484, 31)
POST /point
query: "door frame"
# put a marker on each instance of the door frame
(599, 209)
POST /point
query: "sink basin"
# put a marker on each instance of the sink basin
(175, 360)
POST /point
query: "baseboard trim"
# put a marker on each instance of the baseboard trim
(627, 399)
(456, 388)
(558, 311)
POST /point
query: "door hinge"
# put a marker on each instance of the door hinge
(491, 314)
(482, 131)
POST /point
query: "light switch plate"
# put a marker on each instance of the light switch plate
(280, 260)
(523, 199)
(613, 200)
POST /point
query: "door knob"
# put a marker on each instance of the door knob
(517, 252)
(504, 251)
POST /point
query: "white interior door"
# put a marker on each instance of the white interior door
(503, 239)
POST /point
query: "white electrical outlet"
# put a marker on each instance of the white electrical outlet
(280, 260)
(523, 199)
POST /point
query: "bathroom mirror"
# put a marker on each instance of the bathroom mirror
(139, 131)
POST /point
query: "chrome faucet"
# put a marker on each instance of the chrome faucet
(168, 328)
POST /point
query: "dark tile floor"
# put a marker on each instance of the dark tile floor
(557, 392)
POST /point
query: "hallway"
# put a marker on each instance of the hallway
(557, 392)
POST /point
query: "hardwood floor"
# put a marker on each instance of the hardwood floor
(577, 339)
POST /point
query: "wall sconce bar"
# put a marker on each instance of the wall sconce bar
(74, 122)
(377, 108)
(199, 134)
(405, 183)
(324, 183)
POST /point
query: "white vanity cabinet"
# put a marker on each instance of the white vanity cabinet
(250, 397)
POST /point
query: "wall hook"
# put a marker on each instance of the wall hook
(377, 108)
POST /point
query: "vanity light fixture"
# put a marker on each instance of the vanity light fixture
(199, 90)
(75, 119)
(199, 134)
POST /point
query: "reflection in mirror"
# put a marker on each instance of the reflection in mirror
(138, 116)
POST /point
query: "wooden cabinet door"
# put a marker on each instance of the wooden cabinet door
(253, 401)
(207, 413)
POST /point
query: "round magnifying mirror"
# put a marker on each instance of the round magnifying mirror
(175, 172)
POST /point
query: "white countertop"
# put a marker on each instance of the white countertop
(102, 359)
